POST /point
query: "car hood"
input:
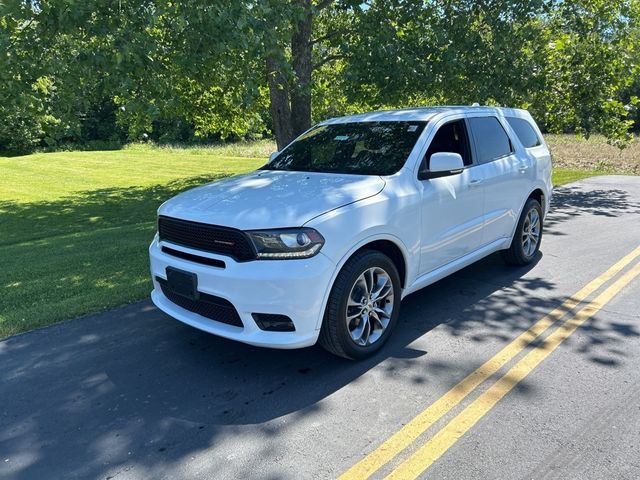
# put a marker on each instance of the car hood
(270, 199)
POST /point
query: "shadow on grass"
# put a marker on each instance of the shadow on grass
(85, 211)
(80, 254)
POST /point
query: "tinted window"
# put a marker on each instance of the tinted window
(366, 148)
(491, 140)
(451, 137)
(525, 132)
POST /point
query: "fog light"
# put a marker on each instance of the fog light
(272, 322)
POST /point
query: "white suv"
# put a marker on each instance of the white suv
(323, 242)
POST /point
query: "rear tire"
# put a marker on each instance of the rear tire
(363, 306)
(527, 237)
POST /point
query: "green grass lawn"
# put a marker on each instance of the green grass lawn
(568, 175)
(75, 226)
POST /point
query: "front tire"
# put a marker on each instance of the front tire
(527, 237)
(363, 306)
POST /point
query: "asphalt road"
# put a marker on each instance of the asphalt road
(133, 394)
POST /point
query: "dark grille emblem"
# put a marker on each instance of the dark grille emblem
(209, 238)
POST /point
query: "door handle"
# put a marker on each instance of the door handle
(523, 167)
(475, 182)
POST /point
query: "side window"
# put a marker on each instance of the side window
(525, 132)
(451, 137)
(492, 141)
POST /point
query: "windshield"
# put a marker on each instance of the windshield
(365, 148)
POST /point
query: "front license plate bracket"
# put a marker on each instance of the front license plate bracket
(183, 283)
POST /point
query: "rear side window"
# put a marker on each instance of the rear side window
(525, 132)
(492, 141)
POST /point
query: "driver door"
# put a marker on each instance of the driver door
(452, 208)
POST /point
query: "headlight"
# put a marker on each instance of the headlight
(286, 243)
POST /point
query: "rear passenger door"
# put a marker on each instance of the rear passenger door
(505, 178)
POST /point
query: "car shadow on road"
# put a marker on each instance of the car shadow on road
(572, 201)
(91, 398)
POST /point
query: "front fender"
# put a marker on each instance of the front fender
(348, 229)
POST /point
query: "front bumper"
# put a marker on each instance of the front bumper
(295, 288)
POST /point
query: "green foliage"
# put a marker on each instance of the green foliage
(568, 62)
(194, 71)
(587, 63)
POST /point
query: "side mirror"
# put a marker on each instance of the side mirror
(443, 164)
(272, 156)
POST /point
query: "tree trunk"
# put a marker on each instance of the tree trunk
(279, 104)
(302, 67)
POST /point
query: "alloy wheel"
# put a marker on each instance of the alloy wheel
(370, 306)
(531, 232)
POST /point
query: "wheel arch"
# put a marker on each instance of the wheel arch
(391, 250)
(537, 193)
(389, 245)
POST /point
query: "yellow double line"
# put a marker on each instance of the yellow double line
(428, 453)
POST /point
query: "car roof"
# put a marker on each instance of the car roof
(420, 114)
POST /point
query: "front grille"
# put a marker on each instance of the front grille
(209, 238)
(209, 306)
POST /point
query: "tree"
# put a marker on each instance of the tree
(568, 62)
(589, 60)
(232, 68)
(290, 63)
(151, 60)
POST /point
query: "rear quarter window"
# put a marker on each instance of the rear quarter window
(525, 132)
(492, 141)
